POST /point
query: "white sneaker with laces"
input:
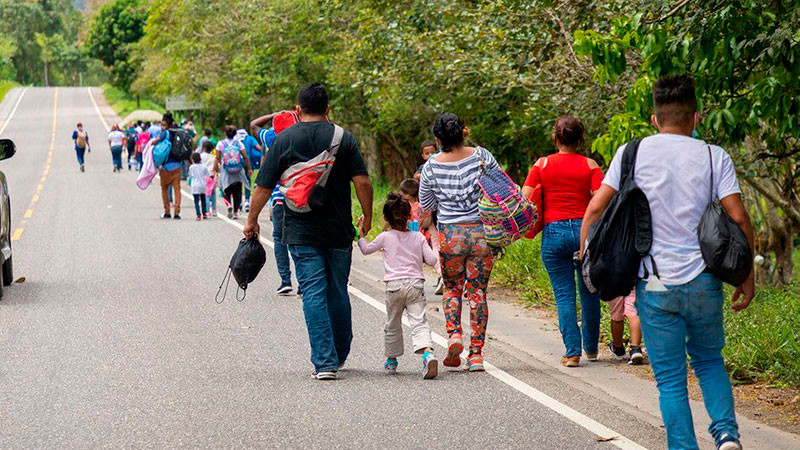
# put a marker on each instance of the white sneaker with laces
(324, 375)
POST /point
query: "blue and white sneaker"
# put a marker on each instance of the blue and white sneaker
(390, 366)
(325, 375)
(430, 365)
(728, 442)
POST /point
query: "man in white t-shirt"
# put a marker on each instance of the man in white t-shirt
(681, 311)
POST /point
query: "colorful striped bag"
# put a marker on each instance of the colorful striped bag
(506, 214)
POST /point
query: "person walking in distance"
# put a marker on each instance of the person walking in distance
(198, 177)
(680, 304)
(81, 140)
(321, 240)
(449, 185)
(566, 181)
(170, 172)
(234, 170)
(275, 206)
(116, 140)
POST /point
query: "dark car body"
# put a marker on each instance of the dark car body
(7, 150)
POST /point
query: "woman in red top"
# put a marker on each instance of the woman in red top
(561, 185)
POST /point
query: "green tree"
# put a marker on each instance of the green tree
(745, 55)
(113, 32)
(21, 22)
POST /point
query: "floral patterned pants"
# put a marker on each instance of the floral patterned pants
(467, 262)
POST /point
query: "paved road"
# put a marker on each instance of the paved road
(115, 339)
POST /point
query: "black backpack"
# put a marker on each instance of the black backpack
(723, 244)
(621, 238)
(246, 263)
(181, 144)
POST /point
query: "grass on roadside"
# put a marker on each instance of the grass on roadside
(123, 103)
(381, 189)
(5, 86)
(762, 343)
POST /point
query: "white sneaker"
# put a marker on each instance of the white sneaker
(324, 375)
(284, 290)
(730, 445)
(247, 207)
(430, 366)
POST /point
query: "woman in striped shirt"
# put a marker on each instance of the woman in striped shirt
(449, 186)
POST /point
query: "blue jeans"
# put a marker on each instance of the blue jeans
(200, 205)
(79, 152)
(560, 240)
(116, 156)
(281, 251)
(211, 200)
(323, 274)
(688, 318)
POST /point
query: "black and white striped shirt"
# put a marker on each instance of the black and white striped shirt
(451, 188)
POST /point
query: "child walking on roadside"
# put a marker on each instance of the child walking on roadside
(198, 177)
(425, 223)
(404, 252)
(622, 307)
(208, 158)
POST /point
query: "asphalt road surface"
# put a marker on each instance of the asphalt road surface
(114, 339)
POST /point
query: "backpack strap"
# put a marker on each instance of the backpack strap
(480, 157)
(711, 166)
(629, 162)
(336, 141)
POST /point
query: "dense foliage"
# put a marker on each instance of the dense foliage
(745, 55)
(506, 67)
(39, 42)
(116, 27)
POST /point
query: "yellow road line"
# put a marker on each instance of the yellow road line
(29, 212)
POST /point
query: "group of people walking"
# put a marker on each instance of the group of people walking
(679, 305)
(676, 307)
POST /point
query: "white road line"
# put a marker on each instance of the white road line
(534, 394)
(97, 108)
(13, 110)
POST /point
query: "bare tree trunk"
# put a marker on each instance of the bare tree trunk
(46, 75)
(781, 243)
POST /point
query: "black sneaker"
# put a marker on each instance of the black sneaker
(635, 355)
(617, 352)
(284, 290)
(177, 217)
(83, 169)
(166, 216)
(439, 287)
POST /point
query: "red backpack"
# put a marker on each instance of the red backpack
(303, 184)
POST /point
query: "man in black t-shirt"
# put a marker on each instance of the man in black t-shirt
(320, 241)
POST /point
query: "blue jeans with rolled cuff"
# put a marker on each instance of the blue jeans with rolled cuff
(323, 274)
